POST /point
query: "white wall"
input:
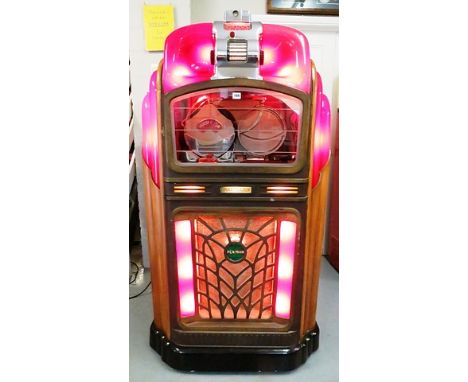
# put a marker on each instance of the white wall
(142, 64)
(209, 10)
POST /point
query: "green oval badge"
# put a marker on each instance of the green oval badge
(234, 252)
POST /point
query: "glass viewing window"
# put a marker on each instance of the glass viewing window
(236, 126)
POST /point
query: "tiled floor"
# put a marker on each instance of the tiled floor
(322, 366)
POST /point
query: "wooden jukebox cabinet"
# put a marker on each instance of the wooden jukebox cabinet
(236, 143)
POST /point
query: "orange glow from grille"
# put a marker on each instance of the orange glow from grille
(183, 236)
(241, 290)
(287, 251)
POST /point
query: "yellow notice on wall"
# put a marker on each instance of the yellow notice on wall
(159, 22)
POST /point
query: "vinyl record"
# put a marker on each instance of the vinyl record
(262, 131)
(209, 132)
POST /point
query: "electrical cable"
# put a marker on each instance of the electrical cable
(134, 273)
(140, 293)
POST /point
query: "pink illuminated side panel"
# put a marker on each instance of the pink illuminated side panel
(150, 150)
(286, 57)
(287, 251)
(183, 236)
(322, 133)
(187, 56)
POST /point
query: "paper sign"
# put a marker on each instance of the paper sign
(159, 22)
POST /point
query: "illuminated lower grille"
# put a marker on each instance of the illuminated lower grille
(235, 288)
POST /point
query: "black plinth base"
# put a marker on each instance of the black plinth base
(233, 359)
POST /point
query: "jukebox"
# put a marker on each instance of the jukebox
(236, 145)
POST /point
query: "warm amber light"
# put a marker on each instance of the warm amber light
(189, 192)
(189, 189)
(282, 190)
(236, 190)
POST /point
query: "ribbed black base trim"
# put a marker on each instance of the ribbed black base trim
(233, 359)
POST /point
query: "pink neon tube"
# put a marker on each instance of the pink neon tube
(183, 236)
(322, 133)
(287, 250)
(150, 131)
